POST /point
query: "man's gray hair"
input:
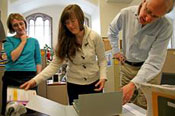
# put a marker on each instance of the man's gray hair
(169, 4)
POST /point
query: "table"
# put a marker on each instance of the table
(52, 108)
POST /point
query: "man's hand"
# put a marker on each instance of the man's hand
(100, 84)
(128, 91)
(29, 84)
(120, 57)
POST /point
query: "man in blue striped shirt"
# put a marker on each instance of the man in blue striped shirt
(145, 36)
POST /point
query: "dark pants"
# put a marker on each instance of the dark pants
(74, 90)
(14, 78)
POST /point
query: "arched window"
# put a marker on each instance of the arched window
(87, 20)
(40, 27)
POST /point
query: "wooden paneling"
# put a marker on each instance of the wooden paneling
(58, 93)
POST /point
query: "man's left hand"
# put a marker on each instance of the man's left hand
(128, 91)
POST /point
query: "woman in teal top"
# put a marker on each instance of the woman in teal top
(23, 54)
(29, 57)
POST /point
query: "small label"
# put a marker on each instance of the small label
(171, 104)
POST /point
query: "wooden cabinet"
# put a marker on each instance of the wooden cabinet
(58, 93)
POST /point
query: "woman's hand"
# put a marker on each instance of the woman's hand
(100, 85)
(15, 54)
(29, 84)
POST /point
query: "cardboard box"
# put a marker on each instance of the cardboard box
(107, 44)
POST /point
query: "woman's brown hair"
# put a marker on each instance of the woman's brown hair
(66, 44)
(13, 16)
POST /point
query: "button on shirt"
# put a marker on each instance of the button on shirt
(148, 43)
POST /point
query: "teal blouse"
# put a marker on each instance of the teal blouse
(29, 57)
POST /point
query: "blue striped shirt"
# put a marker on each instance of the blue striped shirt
(146, 44)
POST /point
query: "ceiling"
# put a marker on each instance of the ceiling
(23, 6)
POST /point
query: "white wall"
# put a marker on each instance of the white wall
(135, 2)
(109, 10)
(95, 17)
(95, 2)
(107, 13)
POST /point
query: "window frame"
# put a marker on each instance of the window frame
(87, 20)
(34, 17)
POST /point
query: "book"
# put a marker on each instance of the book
(19, 95)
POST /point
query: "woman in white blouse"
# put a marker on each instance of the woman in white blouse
(84, 50)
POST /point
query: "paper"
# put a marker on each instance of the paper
(134, 110)
(49, 107)
(19, 95)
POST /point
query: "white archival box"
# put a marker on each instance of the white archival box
(156, 95)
